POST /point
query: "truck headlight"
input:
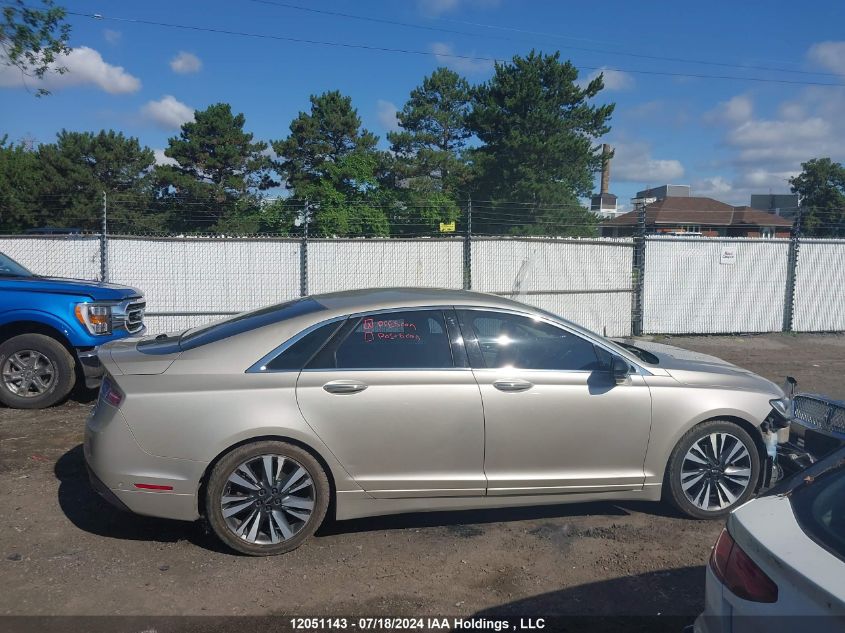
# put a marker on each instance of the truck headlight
(96, 317)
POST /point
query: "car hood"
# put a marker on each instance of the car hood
(702, 370)
(97, 290)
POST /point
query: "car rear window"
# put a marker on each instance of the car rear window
(246, 321)
(819, 507)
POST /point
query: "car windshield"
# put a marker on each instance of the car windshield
(10, 268)
(819, 506)
(246, 321)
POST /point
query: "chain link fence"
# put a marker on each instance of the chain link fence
(689, 285)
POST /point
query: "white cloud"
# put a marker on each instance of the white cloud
(765, 152)
(633, 162)
(168, 112)
(613, 79)
(161, 159)
(386, 112)
(439, 7)
(112, 36)
(735, 110)
(829, 55)
(446, 55)
(85, 66)
(185, 63)
(716, 187)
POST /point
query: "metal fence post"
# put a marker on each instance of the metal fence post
(104, 243)
(638, 272)
(791, 266)
(303, 255)
(468, 248)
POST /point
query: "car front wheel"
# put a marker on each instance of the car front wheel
(36, 371)
(713, 469)
(266, 498)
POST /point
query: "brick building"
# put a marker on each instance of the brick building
(688, 215)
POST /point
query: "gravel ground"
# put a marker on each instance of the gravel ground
(63, 551)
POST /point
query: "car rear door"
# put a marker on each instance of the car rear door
(396, 406)
(555, 419)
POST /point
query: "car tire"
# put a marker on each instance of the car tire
(713, 469)
(48, 381)
(259, 515)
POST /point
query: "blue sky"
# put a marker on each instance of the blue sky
(726, 138)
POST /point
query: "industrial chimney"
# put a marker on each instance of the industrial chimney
(605, 168)
(604, 204)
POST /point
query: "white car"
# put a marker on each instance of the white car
(782, 554)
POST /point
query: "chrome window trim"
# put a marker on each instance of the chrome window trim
(259, 367)
(642, 371)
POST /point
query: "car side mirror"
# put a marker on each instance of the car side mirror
(620, 369)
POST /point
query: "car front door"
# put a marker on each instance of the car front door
(399, 410)
(556, 421)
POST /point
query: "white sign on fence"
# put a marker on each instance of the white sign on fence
(728, 255)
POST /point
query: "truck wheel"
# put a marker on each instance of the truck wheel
(36, 371)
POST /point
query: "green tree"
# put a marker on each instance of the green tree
(331, 167)
(20, 182)
(429, 162)
(821, 186)
(218, 176)
(538, 130)
(80, 166)
(31, 38)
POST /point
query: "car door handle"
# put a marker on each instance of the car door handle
(344, 386)
(513, 385)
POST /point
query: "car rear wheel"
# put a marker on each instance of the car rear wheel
(36, 371)
(266, 498)
(713, 469)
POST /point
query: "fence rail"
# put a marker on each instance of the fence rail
(663, 285)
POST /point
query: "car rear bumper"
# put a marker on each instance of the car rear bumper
(117, 465)
(92, 368)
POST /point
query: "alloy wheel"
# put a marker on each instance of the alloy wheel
(716, 471)
(28, 373)
(268, 499)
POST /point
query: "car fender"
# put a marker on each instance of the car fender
(674, 413)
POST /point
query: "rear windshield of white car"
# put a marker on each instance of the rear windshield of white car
(246, 321)
(819, 506)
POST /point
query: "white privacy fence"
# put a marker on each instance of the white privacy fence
(820, 286)
(586, 281)
(690, 285)
(369, 263)
(707, 286)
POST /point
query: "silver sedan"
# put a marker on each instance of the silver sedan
(382, 401)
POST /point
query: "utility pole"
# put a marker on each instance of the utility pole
(104, 255)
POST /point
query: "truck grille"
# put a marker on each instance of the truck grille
(135, 315)
(821, 413)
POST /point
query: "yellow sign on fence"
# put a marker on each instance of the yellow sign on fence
(447, 227)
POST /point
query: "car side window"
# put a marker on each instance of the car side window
(297, 355)
(413, 339)
(511, 340)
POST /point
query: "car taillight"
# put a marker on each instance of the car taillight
(739, 573)
(110, 393)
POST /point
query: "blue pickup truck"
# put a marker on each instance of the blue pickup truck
(50, 329)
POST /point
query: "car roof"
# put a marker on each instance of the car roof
(349, 301)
